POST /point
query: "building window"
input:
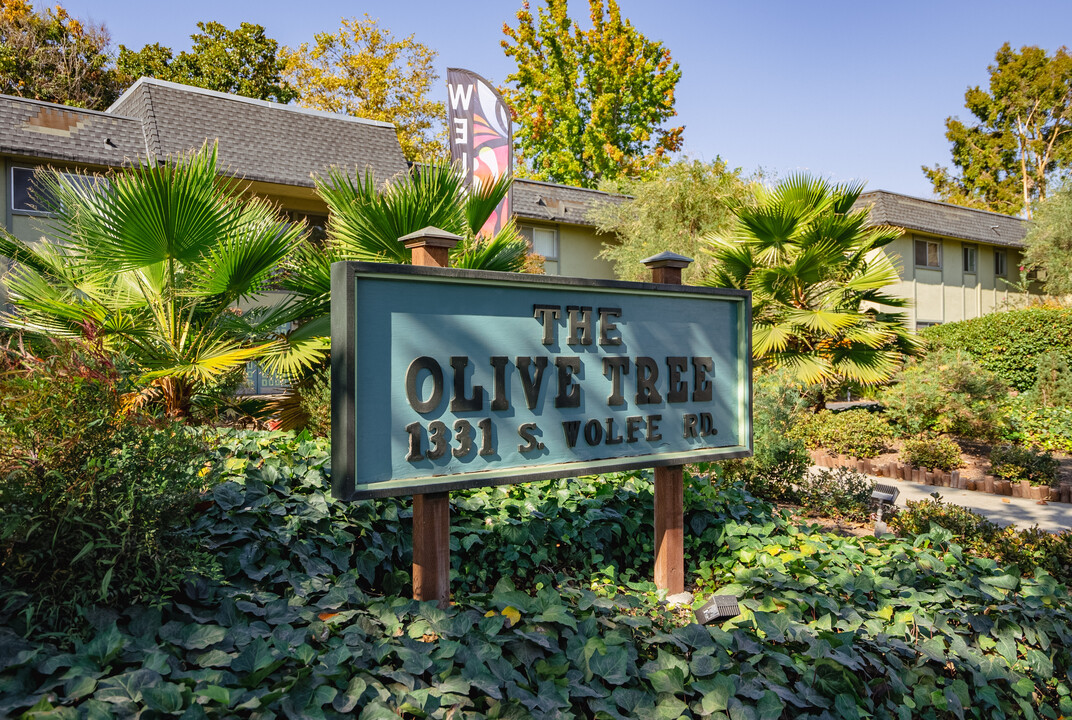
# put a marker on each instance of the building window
(971, 259)
(1001, 263)
(30, 197)
(543, 241)
(921, 324)
(928, 254)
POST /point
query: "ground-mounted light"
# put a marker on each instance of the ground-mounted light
(718, 607)
(884, 495)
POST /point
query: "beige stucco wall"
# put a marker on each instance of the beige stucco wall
(578, 249)
(949, 294)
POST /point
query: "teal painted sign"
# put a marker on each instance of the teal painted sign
(444, 379)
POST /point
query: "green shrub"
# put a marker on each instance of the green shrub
(1009, 343)
(54, 405)
(840, 492)
(946, 392)
(918, 516)
(1046, 428)
(90, 500)
(1016, 464)
(859, 433)
(937, 453)
(1029, 550)
(773, 471)
(316, 404)
(1053, 381)
(778, 461)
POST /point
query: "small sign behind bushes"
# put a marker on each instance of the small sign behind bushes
(444, 379)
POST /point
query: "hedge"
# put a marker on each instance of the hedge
(1008, 343)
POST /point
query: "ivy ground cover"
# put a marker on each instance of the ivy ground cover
(308, 616)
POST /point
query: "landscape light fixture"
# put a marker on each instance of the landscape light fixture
(885, 495)
(719, 607)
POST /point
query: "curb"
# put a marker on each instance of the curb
(938, 478)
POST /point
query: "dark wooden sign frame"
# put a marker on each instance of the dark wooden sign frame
(345, 393)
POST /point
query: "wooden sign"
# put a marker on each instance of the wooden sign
(445, 379)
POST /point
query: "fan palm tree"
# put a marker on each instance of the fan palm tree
(365, 222)
(153, 262)
(367, 218)
(817, 274)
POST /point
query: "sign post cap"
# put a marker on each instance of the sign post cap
(667, 259)
(430, 236)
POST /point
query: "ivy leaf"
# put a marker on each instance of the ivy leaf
(770, 706)
(558, 614)
(106, 645)
(670, 708)
(348, 699)
(165, 698)
(199, 637)
(667, 681)
(612, 666)
(718, 697)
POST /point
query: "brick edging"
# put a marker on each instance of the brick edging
(901, 471)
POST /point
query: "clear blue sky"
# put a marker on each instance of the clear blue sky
(850, 90)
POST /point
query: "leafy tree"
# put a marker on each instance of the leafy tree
(671, 210)
(52, 56)
(152, 263)
(590, 105)
(1049, 241)
(817, 273)
(363, 70)
(1021, 137)
(243, 61)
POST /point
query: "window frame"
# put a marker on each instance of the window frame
(75, 178)
(974, 251)
(32, 170)
(529, 233)
(1001, 269)
(925, 242)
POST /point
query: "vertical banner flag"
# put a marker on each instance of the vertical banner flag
(481, 136)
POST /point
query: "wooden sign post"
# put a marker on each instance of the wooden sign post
(445, 379)
(669, 479)
(431, 511)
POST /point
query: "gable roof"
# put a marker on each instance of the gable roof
(258, 140)
(36, 129)
(537, 200)
(938, 218)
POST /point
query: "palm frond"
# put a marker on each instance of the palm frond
(482, 200)
(505, 252)
(808, 367)
(241, 263)
(822, 321)
(770, 338)
(207, 363)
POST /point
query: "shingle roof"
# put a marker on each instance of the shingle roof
(537, 200)
(38, 129)
(938, 218)
(259, 140)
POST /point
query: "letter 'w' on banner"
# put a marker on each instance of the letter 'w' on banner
(481, 136)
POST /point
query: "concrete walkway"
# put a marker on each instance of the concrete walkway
(1021, 512)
